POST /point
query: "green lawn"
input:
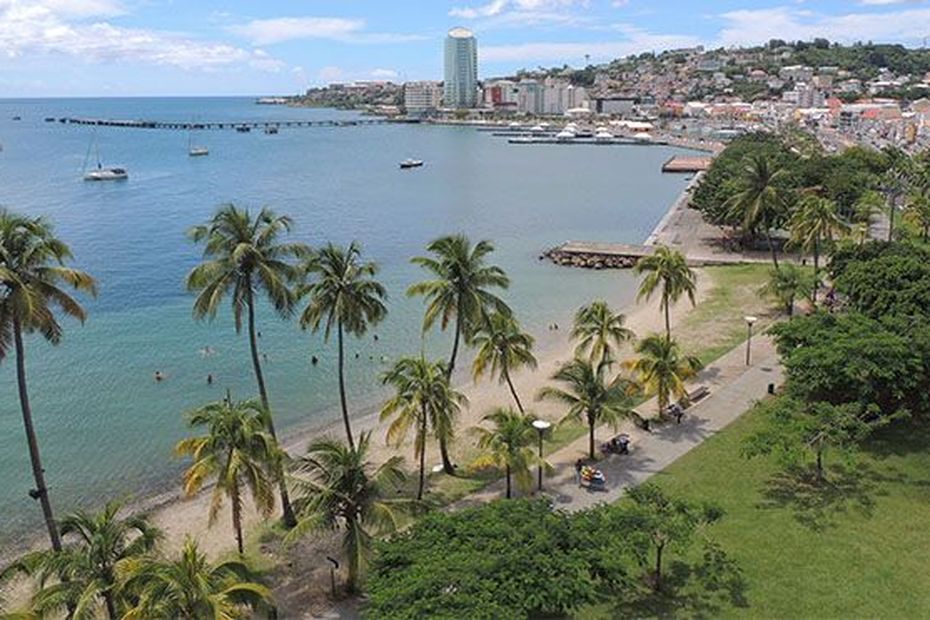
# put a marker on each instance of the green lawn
(858, 548)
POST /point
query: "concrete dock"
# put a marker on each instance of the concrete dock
(216, 125)
(683, 164)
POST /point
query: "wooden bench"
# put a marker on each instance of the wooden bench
(694, 396)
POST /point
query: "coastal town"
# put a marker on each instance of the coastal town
(875, 95)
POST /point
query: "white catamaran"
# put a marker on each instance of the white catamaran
(195, 150)
(100, 173)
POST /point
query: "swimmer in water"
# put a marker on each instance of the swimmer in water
(376, 337)
(314, 360)
(210, 379)
(158, 376)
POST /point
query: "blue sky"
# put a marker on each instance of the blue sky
(198, 47)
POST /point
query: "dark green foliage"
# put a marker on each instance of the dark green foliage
(849, 358)
(505, 560)
(864, 61)
(882, 279)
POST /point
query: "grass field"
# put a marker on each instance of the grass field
(856, 548)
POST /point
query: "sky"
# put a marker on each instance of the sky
(53, 48)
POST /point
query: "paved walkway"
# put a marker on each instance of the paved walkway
(734, 388)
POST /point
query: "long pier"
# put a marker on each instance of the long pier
(216, 125)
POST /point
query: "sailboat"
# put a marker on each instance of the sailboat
(100, 173)
(195, 151)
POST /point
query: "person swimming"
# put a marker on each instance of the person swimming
(158, 376)
(210, 379)
(314, 360)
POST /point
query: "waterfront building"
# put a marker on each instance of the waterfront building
(460, 89)
(530, 97)
(422, 97)
(501, 95)
(560, 96)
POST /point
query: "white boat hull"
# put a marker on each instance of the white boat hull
(107, 174)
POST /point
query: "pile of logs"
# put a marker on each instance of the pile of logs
(588, 261)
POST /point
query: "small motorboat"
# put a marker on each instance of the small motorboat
(198, 151)
(17, 118)
(411, 163)
(271, 130)
(107, 174)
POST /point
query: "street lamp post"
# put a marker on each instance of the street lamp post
(541, 426)
(750, 321)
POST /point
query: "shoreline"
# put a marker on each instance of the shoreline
(179, 516)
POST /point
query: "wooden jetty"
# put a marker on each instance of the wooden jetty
(232, 125)
(681, 163)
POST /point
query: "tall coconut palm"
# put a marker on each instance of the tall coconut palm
(460, 293)
(502, 348)
(598, 331)
(896, 181)
(191, 587)
(244, 255)
(816, 221)
(345, 297)
(917, 211)
(84, 578)
(662, 369)
(337, 486)
(666, 269)
(424, 399)
(787, 284)
(591, 397)
(761, 202)
(238, 451)
(508, 446)
(32, 277)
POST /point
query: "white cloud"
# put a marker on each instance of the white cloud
(77, 28)
(637, 41)
(519, 11)
(281, 29)
(755, 26)
(384, 74)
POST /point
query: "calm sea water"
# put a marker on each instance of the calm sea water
(106, 428)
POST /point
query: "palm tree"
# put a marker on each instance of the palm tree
(238, 451)
(508, 446)
(662, 369)
(425, 400)
(895, 181)
(815, 222)
(191, 587)
(340, 488)
(243, 255)
(346, 297)
(598, 330)
(668, 269)
(32, 272)
(459, 292)
(590, 396)
(85, 576)
(786, 284)
(762, 199)
(502, 348)
(917, 211)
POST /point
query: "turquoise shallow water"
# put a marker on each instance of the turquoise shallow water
(106, 428)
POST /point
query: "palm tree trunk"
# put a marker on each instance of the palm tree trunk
(657, 579)
(668, 322)
(820, 464)
(591, 439)
(507, 471)
(447, 465)
(816, 270)
(768, 236)
(111, 605)
(342, 387)
(287, 511)
(513, 390)
(892, 199)
(237, 517)
(422, 455)
(38, 473)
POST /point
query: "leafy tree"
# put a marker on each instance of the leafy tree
(658, 522)
(424, 399)
(339, 487)
(815, 223)
(885, 280)
(795, 429)
(786, 284)
(895, 182)
(849, 358)
(502, 348)
(85, 576)
(503, 560)
(666, 269)
(238, 451)
(460, 292)
(346, 297)
(244, 255)
(662, 369)
(508, 446)
(190, 586)
(590, 396)
(762, 201)
(598, 330)
(32, 272)
(917, 211)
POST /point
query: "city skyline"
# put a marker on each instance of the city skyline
(164, 47)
